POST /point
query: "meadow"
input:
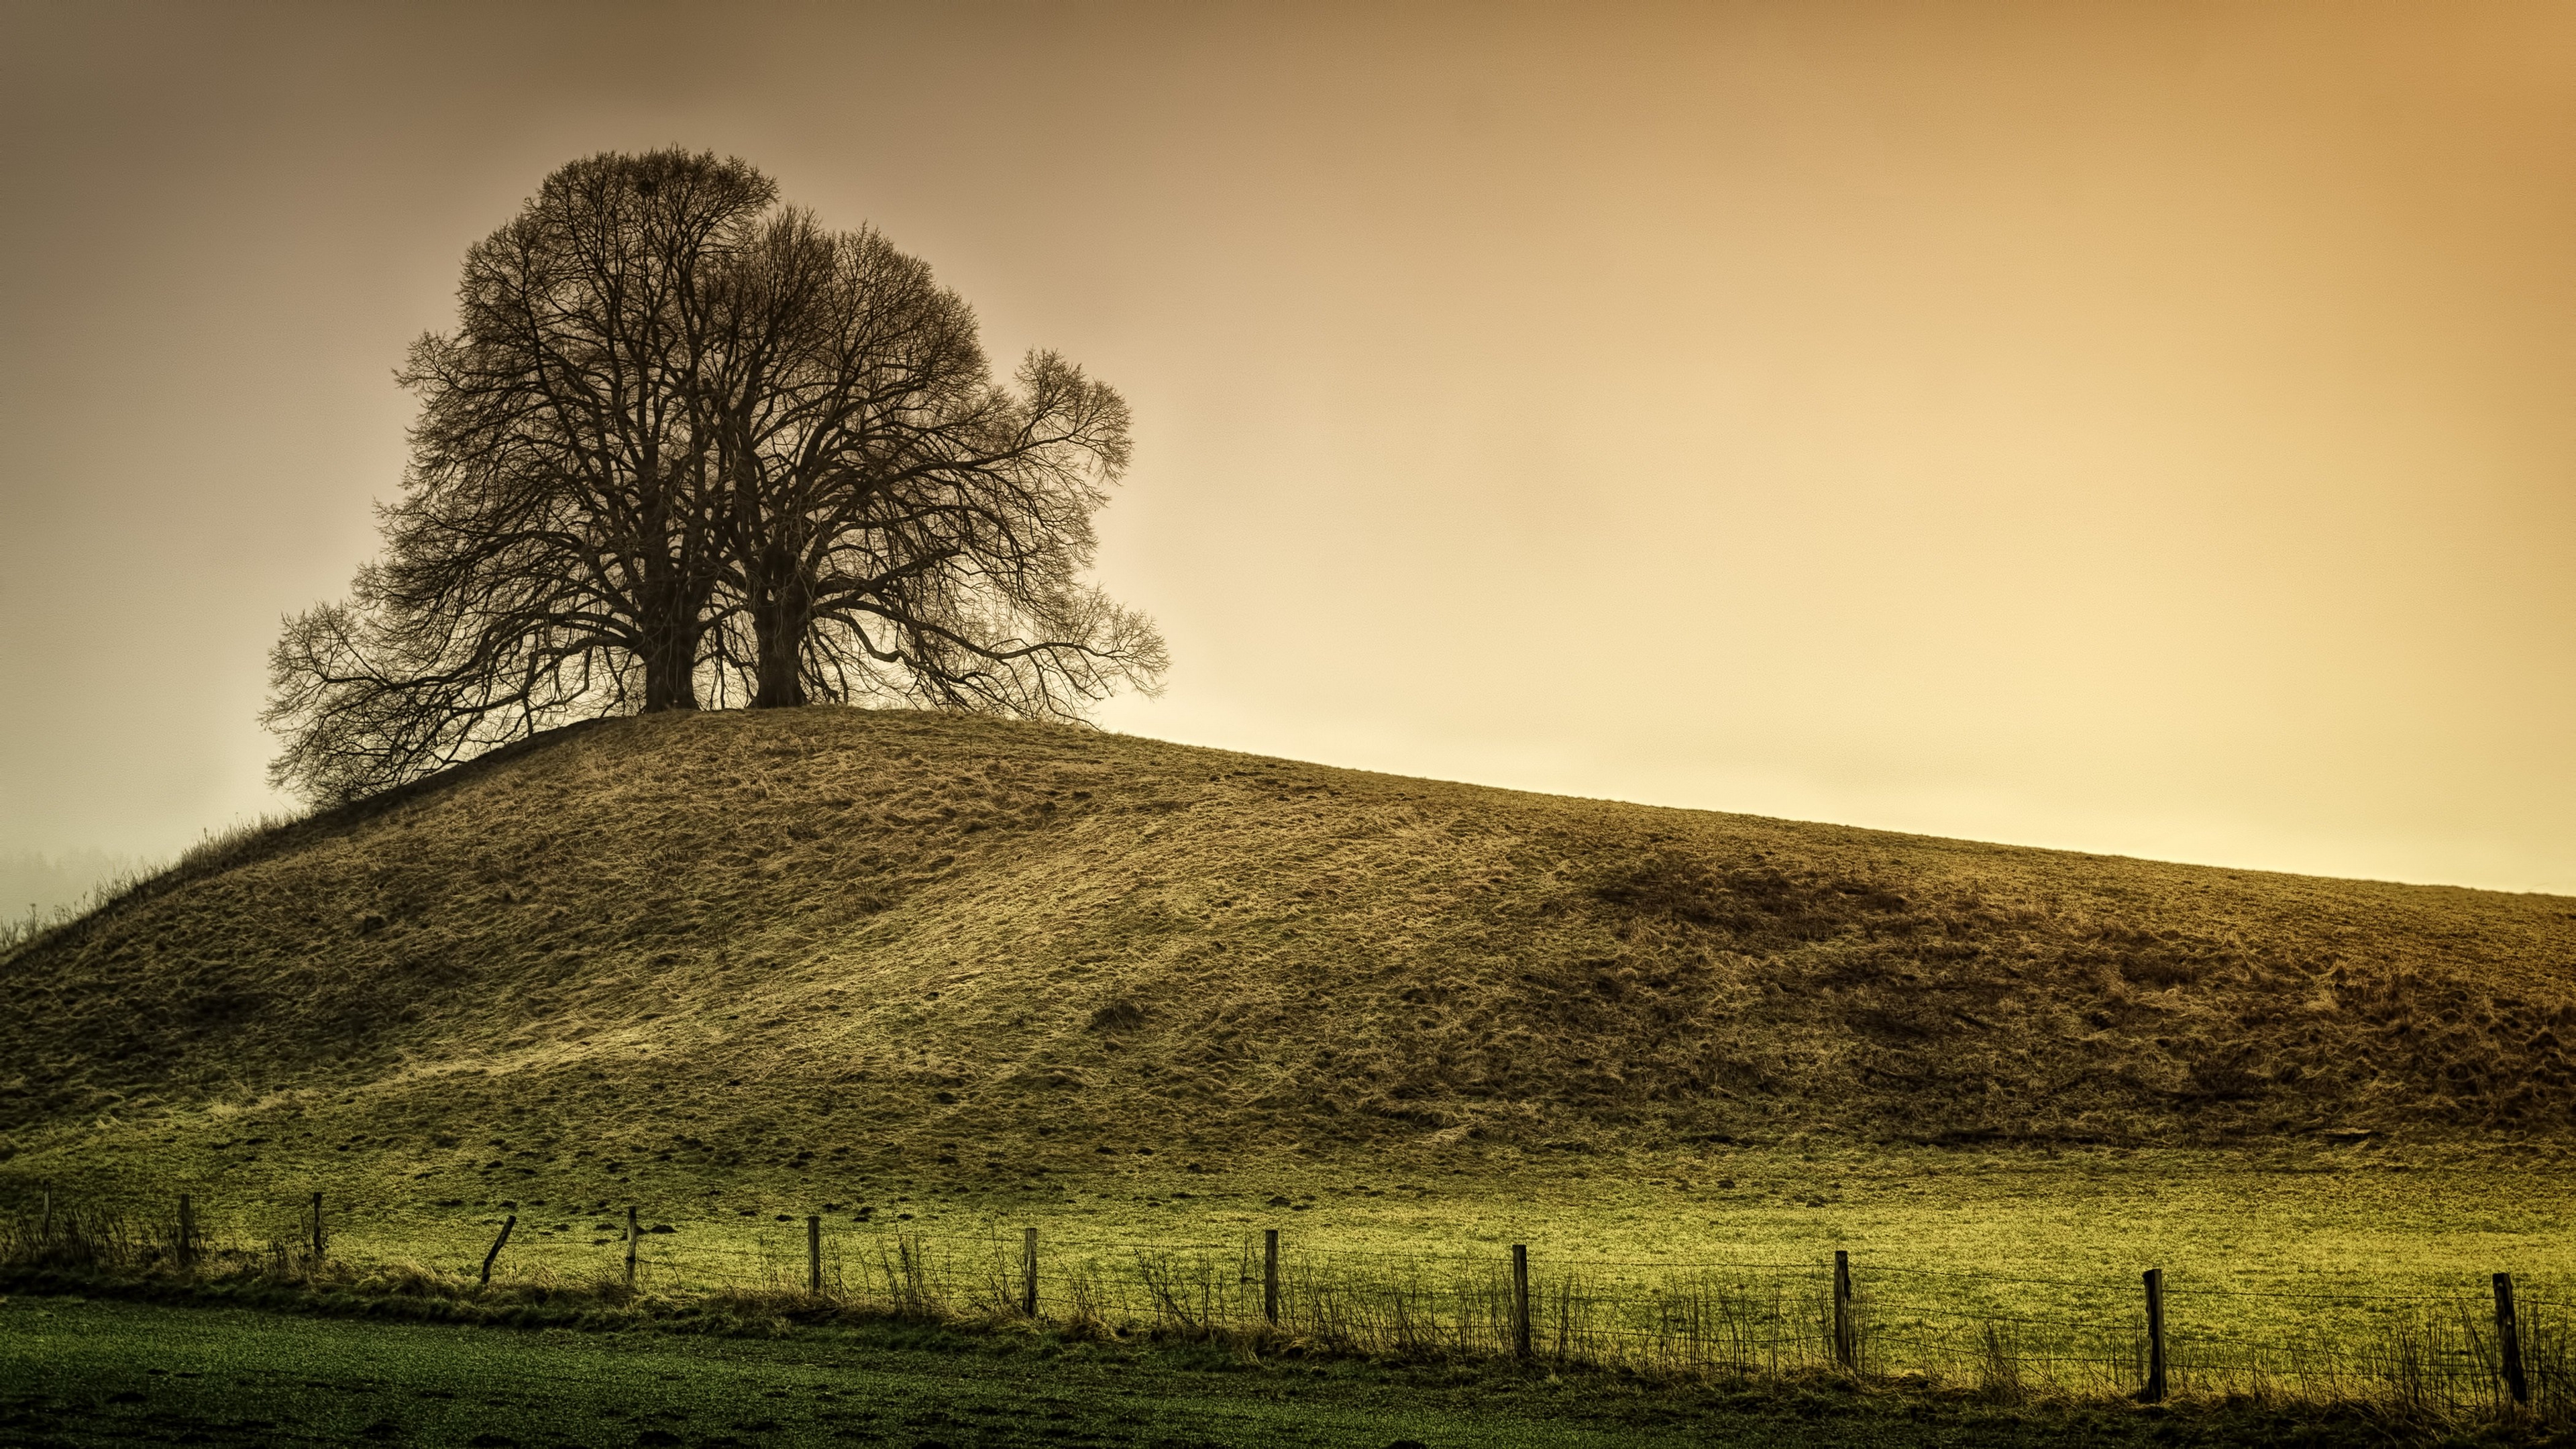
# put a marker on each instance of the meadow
(82, 1371)
(936, 982)
(2349, 1275)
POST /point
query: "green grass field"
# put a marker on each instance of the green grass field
(2274, 1264)
(2368, 1218)
(83, 1372)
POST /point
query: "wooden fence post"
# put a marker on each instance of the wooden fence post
(1520, 1302)
(1029, 1272)
(317, 1227)
(1843, 1354)
(507, 1223)
(2509, 1340)
(2154, 1392)
(187, 1230)
(634, 1231)
(1270, 1276)
(813, 1254)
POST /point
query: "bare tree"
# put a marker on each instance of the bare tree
(902, 527)
(683, 444)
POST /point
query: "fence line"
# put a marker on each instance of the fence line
(2433, 1355)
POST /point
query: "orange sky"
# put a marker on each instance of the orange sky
(2138, 428)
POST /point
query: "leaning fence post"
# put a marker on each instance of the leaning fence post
(813, 1254)
(633, 1232)
(1842, 1310)
(187, 1230)
(507, 1223)
(1520, 1302)
(1029, 1272)
(2509, 1340)
(317, 1227)
(1270, 1275)
(2154, 1392)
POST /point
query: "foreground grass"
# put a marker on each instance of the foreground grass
(83, 1371)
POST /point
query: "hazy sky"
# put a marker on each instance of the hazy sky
(2140, 428)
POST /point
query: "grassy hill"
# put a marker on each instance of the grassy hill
(691, 942)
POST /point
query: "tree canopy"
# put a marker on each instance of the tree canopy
(687, 447)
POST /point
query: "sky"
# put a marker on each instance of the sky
(2136, 428)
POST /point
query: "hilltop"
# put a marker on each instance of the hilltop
(692, 940)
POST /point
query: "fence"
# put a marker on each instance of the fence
(2485, 1351)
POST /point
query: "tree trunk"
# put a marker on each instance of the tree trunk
(782, 610)
(778, 627)
(671, 670)
(669, 607)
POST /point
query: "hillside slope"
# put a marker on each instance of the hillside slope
(677, 936)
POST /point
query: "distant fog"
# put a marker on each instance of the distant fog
(46, 882)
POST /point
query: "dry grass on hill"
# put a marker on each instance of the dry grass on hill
(682, 941)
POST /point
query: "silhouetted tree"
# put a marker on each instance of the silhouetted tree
(683, 445)
(901, 526)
